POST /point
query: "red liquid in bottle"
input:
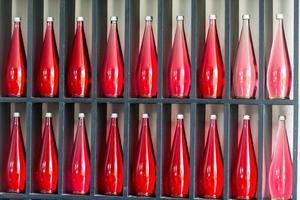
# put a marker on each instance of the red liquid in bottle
(47, 77)
(15, 70)
(211, 70)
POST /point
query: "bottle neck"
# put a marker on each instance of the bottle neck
(246, 123)
(213, 123)
(17, 25)
(281, 125)
(246, 25)
(114, 122)
(79, 25)
(48, 121)
(212, 23)
(16, 121)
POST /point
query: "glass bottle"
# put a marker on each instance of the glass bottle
(244, 73)
(15, 70)
(79, 173)
(281, 168)
(211, 70)
(112, 70)
(279, 72)
(46, 173)
(78, 74)
(244, 171)
(179, 167)
(111, 175)
(144, 168)
(15, 166)
(147, 63)
(211, 175)
(179, 71)
(47, 77)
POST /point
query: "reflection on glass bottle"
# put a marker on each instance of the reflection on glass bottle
(147, 63)
(210, 72)
(279, 72)
(47, 77)
(112, 70)
(15, 166)
(79, 172)
(244, 171)
(46, 173)
(78, 74)
(111, 174)
(281, 168)
(179, 166)
(210, 182)
(244, 74)
(144, 168)
(15, 70)
(179, 69)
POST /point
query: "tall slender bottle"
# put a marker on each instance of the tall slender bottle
(244, 73)
(47, 77)
(179, 71)
(147, 63)
(15, 166)
(211, 70)
(179, 167)
(281, 168)
(279, 72)
(15, 70)
(112, 70)
(78, 74)
(111, 174)
(144, 168)
(210, 182)
(79, 172)
(46, 173)
(244, 171)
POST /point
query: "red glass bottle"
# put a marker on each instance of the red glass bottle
(244, 73)
(15, 70)
(244, 171)
(47, 77)
(279, 72)
(79, 172)
(144, 168)
(179, 71)
(111, 175)
(211, 70)
(112, 70)
(147, 63)
(210, 183)
(15, 166)
(46, 173)
(179, 167)
(281, 168)
(78, 74)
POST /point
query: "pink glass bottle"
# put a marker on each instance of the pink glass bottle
(111, 174)
(78, 74)
(211, 70)
(244, 170)
(179, 69)
(112, 70)
(281, 168)
(144, 167)
(279, 72)
(244, 73)
(79, 172)
(46, 173)
(179, 167)
(15, 69)
(15, 166)
(147, 63)
(210, 182)
(47, 76)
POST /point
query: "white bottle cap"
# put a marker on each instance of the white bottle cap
(180, 116)
(79, 19)
(179, 18)
(213, 16)
(145, 116)
(49, 19)
(16, 114)
(281, 117)
(81, 115)
(17, 19)
(279, 16)
(246, 117)
(48, 114)
(148, 18)
(114, 115)
(113, 19)
(213, 116)
(246, 16)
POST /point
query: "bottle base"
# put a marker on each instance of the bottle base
(79, 192)
(47, 191)
(112, 193)
(244, 97)
(279, 98)
(14, 191)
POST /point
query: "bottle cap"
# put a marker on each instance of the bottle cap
(17, 19)
(213, 116)
(49, 19)
(16, 114)
(179, 18)
(180, 116)
(113, 19)
(79, 19)
(114, 115)
(246, 117)
(246, 16)
(279, 16)
(212, 16)
(145, 116)
(148, 18)
(81, 115)
(48, 114)
(281, 117)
